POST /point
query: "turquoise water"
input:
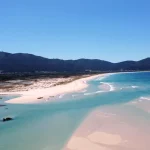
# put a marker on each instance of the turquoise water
(48, 126)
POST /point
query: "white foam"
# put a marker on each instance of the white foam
(103, 77)
(134, 87)
(98, 91)
(100, 78)
(93, 93)
(111, 87)
(145, 98)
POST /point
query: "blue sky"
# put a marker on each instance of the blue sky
(113, 30)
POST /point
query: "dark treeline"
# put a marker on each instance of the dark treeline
(29, 75)
(23, 63)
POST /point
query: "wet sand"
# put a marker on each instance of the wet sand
(111, 129)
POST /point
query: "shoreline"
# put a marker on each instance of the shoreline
(41, 95)
(109, 127)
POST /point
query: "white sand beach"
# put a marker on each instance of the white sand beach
(42, 94)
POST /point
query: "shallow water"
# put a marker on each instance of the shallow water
(48, 126)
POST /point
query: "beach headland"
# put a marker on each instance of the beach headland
(42, 93)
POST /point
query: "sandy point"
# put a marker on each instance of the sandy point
(43, 94)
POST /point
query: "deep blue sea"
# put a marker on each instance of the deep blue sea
(48, 126)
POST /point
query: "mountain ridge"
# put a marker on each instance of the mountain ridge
(24, 62)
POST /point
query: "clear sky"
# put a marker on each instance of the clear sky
(112, 30)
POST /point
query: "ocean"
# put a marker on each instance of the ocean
(50, 125)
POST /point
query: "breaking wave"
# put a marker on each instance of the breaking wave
(111, 87)
(134, 87)
(145, 98)
(92, 93)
